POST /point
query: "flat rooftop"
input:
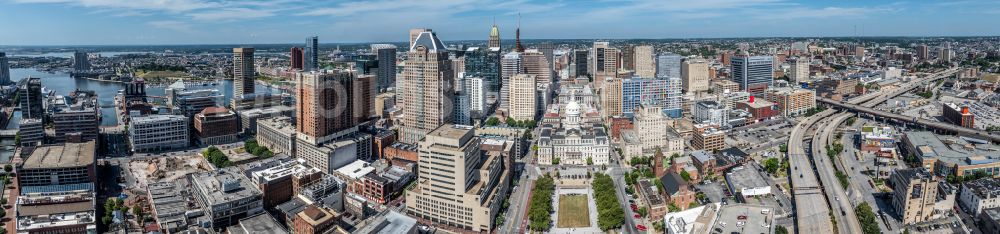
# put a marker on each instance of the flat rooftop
(61, 156)
(745, 177)
(693, 220)
(650, 192)
(156, 118)
(281, 124)
(293, 167)
(984, 188)
(391, 223)
(950, 149)
(356, 169)
(261, 223)
(223, 186)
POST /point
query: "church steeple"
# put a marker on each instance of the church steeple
(517, 35)
(494, 35)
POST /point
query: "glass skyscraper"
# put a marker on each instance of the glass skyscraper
(636, 91)
(484, 62)
(753, 73)
(668, 65)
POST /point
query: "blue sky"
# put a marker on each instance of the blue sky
(126, 22)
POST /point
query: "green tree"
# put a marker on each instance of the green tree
(590, 161)
(780, 230)
(686, 176)
(869, 223)
(540, 211)
(771, 165)
(8, 168)
(492, 121)
(609, 212)
(555, 160)
(783, 148)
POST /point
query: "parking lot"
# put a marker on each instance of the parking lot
(759, 137)
(714, 191)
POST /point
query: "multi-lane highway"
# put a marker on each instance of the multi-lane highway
(919, 121)
(812, 207)
(847, 221)
(811, 210)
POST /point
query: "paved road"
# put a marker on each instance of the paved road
(925, 122)
(861, 188)
(812, 215)
(847, 221)
(617, 172)
(811, 210)
(519, 202)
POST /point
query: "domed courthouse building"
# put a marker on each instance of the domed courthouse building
(574, 139)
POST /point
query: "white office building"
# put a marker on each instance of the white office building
(158, 132)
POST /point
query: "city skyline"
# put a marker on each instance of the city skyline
(98, 22)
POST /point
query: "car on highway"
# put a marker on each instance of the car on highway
(640, 227)
(637, 216)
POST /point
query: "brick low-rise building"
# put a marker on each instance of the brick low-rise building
(958, 115)
(216, 126)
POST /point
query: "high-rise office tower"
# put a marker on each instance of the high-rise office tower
(580, 59)
(643, 61)
(484, 63)
(428, 80)
(628, 58)
(471, 100)
(694, 75)
(604, 62)
(511, 64)
(244, 71)
(799, 70)
(668, 65)
(475, 88)
(465, 187)
(945, 54)
(386, 71)
(296, 58)
(81, 61)
(922, 52)
(517, 35)
(30, 90)
(415, 32)
(637, 91)
(365, 64)
(4, 69)
(363, 99)
(673, 106)
(522, 97)
(754, 74)
(494, 36)
(324, 104)
(310, 60)
(611, 97)
(534, 63)
(547, 48)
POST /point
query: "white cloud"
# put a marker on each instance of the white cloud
(159, 5)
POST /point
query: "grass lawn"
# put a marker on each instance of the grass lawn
(573, 211)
